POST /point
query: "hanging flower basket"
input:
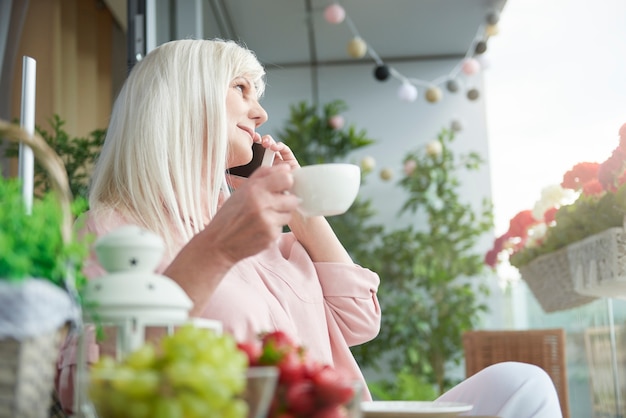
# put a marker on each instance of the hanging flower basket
(550, 280)
(598, 264)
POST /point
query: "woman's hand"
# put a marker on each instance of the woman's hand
(283, 152)
(248, 222)
(253, 217)
(315, 234)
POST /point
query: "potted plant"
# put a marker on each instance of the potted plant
(575, 226)
(78, 155)
(39, 279)
(435, 286)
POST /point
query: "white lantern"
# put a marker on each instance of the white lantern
(131, 297)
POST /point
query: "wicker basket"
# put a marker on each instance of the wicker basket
(28, 365)
(550, 280)
(27, 370)
(598, 264)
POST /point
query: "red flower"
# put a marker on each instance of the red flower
(548, 216)
(580, 174)
(593, 188)
(519, 224)
(491, 258)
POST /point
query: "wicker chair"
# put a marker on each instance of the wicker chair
(542, 347)
(604, 378)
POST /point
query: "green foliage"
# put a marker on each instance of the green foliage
(312, 138)
(31, 244)
(407, 386)
(78, 155)
(431, 290)
(588, 215)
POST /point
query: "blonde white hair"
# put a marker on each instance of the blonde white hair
(164, 156)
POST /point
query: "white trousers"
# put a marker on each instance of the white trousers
(508, 390)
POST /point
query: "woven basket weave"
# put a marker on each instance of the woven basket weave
(550, 280)
(27, 370)
(598, 264)
(28, 366)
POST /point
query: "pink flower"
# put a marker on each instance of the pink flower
(336, 122)
(612, 168)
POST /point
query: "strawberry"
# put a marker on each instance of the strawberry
(306, 388)
(331, 387)
(300, 398)
(279, 340)
(291, 368)
(337, 411)
(252, 350)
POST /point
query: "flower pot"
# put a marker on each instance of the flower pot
(33, 318)
(598, 264)
(550, 279)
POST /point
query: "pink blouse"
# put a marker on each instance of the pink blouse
(326, 307)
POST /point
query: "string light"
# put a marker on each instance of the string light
(472, 63)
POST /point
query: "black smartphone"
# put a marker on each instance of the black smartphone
(260, 156)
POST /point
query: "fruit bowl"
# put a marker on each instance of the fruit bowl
(107, 393)
(260, 385)
(192, 373)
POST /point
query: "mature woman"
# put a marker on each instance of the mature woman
(189, 111)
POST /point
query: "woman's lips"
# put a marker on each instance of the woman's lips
(249, 131)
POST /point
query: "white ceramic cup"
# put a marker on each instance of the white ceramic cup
(326, 189)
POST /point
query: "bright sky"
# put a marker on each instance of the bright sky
(555, 94)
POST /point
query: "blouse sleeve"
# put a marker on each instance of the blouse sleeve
(350, 294)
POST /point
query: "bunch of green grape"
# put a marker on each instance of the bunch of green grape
(192, 373)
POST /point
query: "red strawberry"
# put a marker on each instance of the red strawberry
(280, 341)
(337, 411)
(291, 369)
(331, 387)
(300, 398)
(252, 350)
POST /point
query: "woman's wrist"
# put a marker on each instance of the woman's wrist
(198, 269)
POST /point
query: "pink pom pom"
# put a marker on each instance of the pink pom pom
(334, 14)
(622, 132)
(409, 167)
(336, 122)
(470, 66)
(407, 92)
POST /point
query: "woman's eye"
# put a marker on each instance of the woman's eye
(240, 87)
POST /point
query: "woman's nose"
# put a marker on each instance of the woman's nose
(259, 114)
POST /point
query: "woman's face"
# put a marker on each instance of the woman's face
(244, 115)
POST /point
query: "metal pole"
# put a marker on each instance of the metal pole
(136, 34)
(616, 386)
(26, 167)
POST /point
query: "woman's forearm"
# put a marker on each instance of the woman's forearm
(319, 239)
(198, 272)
